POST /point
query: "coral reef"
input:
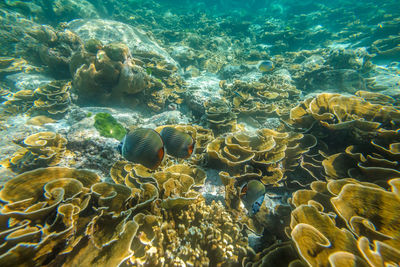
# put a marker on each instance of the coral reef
(174, 184)
(52, 100)
(38, 150)
(370, 236)
(9, 65)
(55, 48)
(298, 104)
(255, 102)
(269, 151)
(219, 116)
(109, 74)
(90, 221)
(338, 112)
(387, 48)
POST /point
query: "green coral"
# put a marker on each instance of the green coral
(108, 126)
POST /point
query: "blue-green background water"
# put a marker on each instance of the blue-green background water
(285, 100)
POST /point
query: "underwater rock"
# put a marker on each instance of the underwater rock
(200, 90)
(355, 59)
(72, 9)
(109, 31)
(13, 33)
(167, 117)
(91, 152)
(384, 79)
(184, 55)
(28, 81)
(343, 80)
(233, 72)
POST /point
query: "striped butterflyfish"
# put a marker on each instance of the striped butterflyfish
(266, 66)
(177, 143)
(144, 146)
(252, 195)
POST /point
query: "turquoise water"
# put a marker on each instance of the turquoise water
(271, 133)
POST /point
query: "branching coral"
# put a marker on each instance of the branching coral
(200, 235)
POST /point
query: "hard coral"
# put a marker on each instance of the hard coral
(42, 149)
(55, 48)
(201, 235)
(338, 112)
(108, 73)
(270, 151)
(175, 185)
(220, 116)
(318, 237)
(52, 100)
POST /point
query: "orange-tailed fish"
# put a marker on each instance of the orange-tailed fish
(144, 146)
(177, 143)
(266, 66)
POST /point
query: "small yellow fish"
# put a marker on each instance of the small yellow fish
(266, 66)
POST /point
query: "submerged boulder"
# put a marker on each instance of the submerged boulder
(109, 31)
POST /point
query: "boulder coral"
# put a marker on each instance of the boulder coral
(110, 74)
(54, 48)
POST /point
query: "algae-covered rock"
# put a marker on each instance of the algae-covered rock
(108, 126)
(93, 45)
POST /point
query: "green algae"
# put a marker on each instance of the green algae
(108, 126)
